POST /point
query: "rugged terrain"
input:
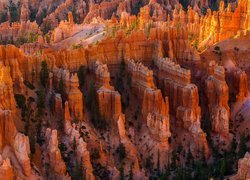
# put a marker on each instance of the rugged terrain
(124, 89)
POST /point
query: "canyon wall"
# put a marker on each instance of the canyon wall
(18, 32)
(109, 100)
(244, 167)
(70, 84)
(154, 106)
(83, 155)
(175, 83)
(217, 93)
(56, 163)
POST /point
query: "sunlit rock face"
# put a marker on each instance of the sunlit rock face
(183, 96)
(155, 108)
(83, 155)
(6, 169)
(109, 100)
(54, 154)
(244, 167)
(241, 85)
(218, 93)
(74, 95)
(18, 142)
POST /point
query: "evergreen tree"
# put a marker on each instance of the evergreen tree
(40, 103)
(222, 167)
(122, 67)
(74, 144)
(38, 131)
(3, 17)
(158, 163)
(32, 141)
(52, 103)
(33, 76)
(203, 157)
(131, 175)
(40, 99)
(121, 151)
(62, 91)
(242, 146)
(174, 159)
(14, 11)
(92, 104)
(81, 75)
(189, 159)
(60, 124)
(122, 172)
(44, 74)
(229, 163)
(149, 163)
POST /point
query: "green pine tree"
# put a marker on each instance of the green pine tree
(44, 74)
(81, 75)
(131, 175)
(122, 172)
(242, 146)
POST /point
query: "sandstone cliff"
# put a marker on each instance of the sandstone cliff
(183, 97)
(244, 167)
(109, 100)
(6, 169)
(154, 106)
(70, 84)
(17, 141)
(217, 93)
(56, 164)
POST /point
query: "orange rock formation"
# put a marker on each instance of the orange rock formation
(82, 152)
(244, 167)
(154, 106)
(71, 85)
(6, 170)
(183, 97)
(109, 100)
(217, 93)
(16, 32)
(55, 161)
(18, 142)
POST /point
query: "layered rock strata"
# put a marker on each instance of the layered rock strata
(17, 32)
(240, 85)
(109, 100)
(17, 141)
(9, 134)
(9, 56)
(83, 155)
(6, 90)
(244, 167)
(74, 95)
(130, 148)
(154, 106)
(6, 169)
(183, 97)
(56, 163)
(217, 93)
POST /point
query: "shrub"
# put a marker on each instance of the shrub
(121, 151)
(76, 46)
(44, 74)
(217, 48)
(14, 11)
(95, 154)
(81, 75)
(29, 85)
(20, 100)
